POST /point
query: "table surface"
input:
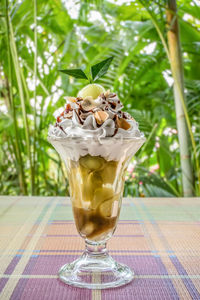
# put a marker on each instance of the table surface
(157, 237)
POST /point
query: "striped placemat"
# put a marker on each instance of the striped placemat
(158, 237)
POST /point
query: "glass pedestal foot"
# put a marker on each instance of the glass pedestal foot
(96, 271)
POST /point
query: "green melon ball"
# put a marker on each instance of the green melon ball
(92, 163)
(93, 90)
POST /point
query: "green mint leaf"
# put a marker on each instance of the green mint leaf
(101, 68)
(77, 73)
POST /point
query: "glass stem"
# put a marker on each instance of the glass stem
(95, 249)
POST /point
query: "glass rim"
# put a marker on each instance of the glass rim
(90, 138)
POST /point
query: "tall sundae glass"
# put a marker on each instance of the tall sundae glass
(96, 140)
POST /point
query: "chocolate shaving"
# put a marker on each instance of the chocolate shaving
(115, 132)
(112, 96)
(58, 125)
(102, 96)
(112, 104)
(126, 116)
(79, 99)
(68, 108)
(58, 119)
(114, 118)
(79, 118)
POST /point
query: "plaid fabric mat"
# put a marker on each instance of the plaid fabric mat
(158, 238)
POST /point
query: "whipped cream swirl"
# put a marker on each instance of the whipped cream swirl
(97, 119)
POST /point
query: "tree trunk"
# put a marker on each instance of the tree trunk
(177, 71)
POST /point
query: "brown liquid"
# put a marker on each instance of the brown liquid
(96, 188)
(91, 224)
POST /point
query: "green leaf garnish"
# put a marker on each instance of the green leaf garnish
(97, 70)
(77, 73)
(101, 68)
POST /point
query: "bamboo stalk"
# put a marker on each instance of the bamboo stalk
(38, 79)
(179, 88)
(14, 55)
(35, 93)
(177, 70)
(24, 84)
(44, 169)
(19, 161)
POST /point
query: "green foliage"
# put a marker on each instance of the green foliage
(78, 37)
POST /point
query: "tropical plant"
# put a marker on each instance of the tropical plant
(38, 40)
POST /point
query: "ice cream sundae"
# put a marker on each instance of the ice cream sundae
(96, 139)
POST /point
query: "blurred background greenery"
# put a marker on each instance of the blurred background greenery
(39, 37)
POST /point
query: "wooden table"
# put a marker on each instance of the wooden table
(158, 237)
